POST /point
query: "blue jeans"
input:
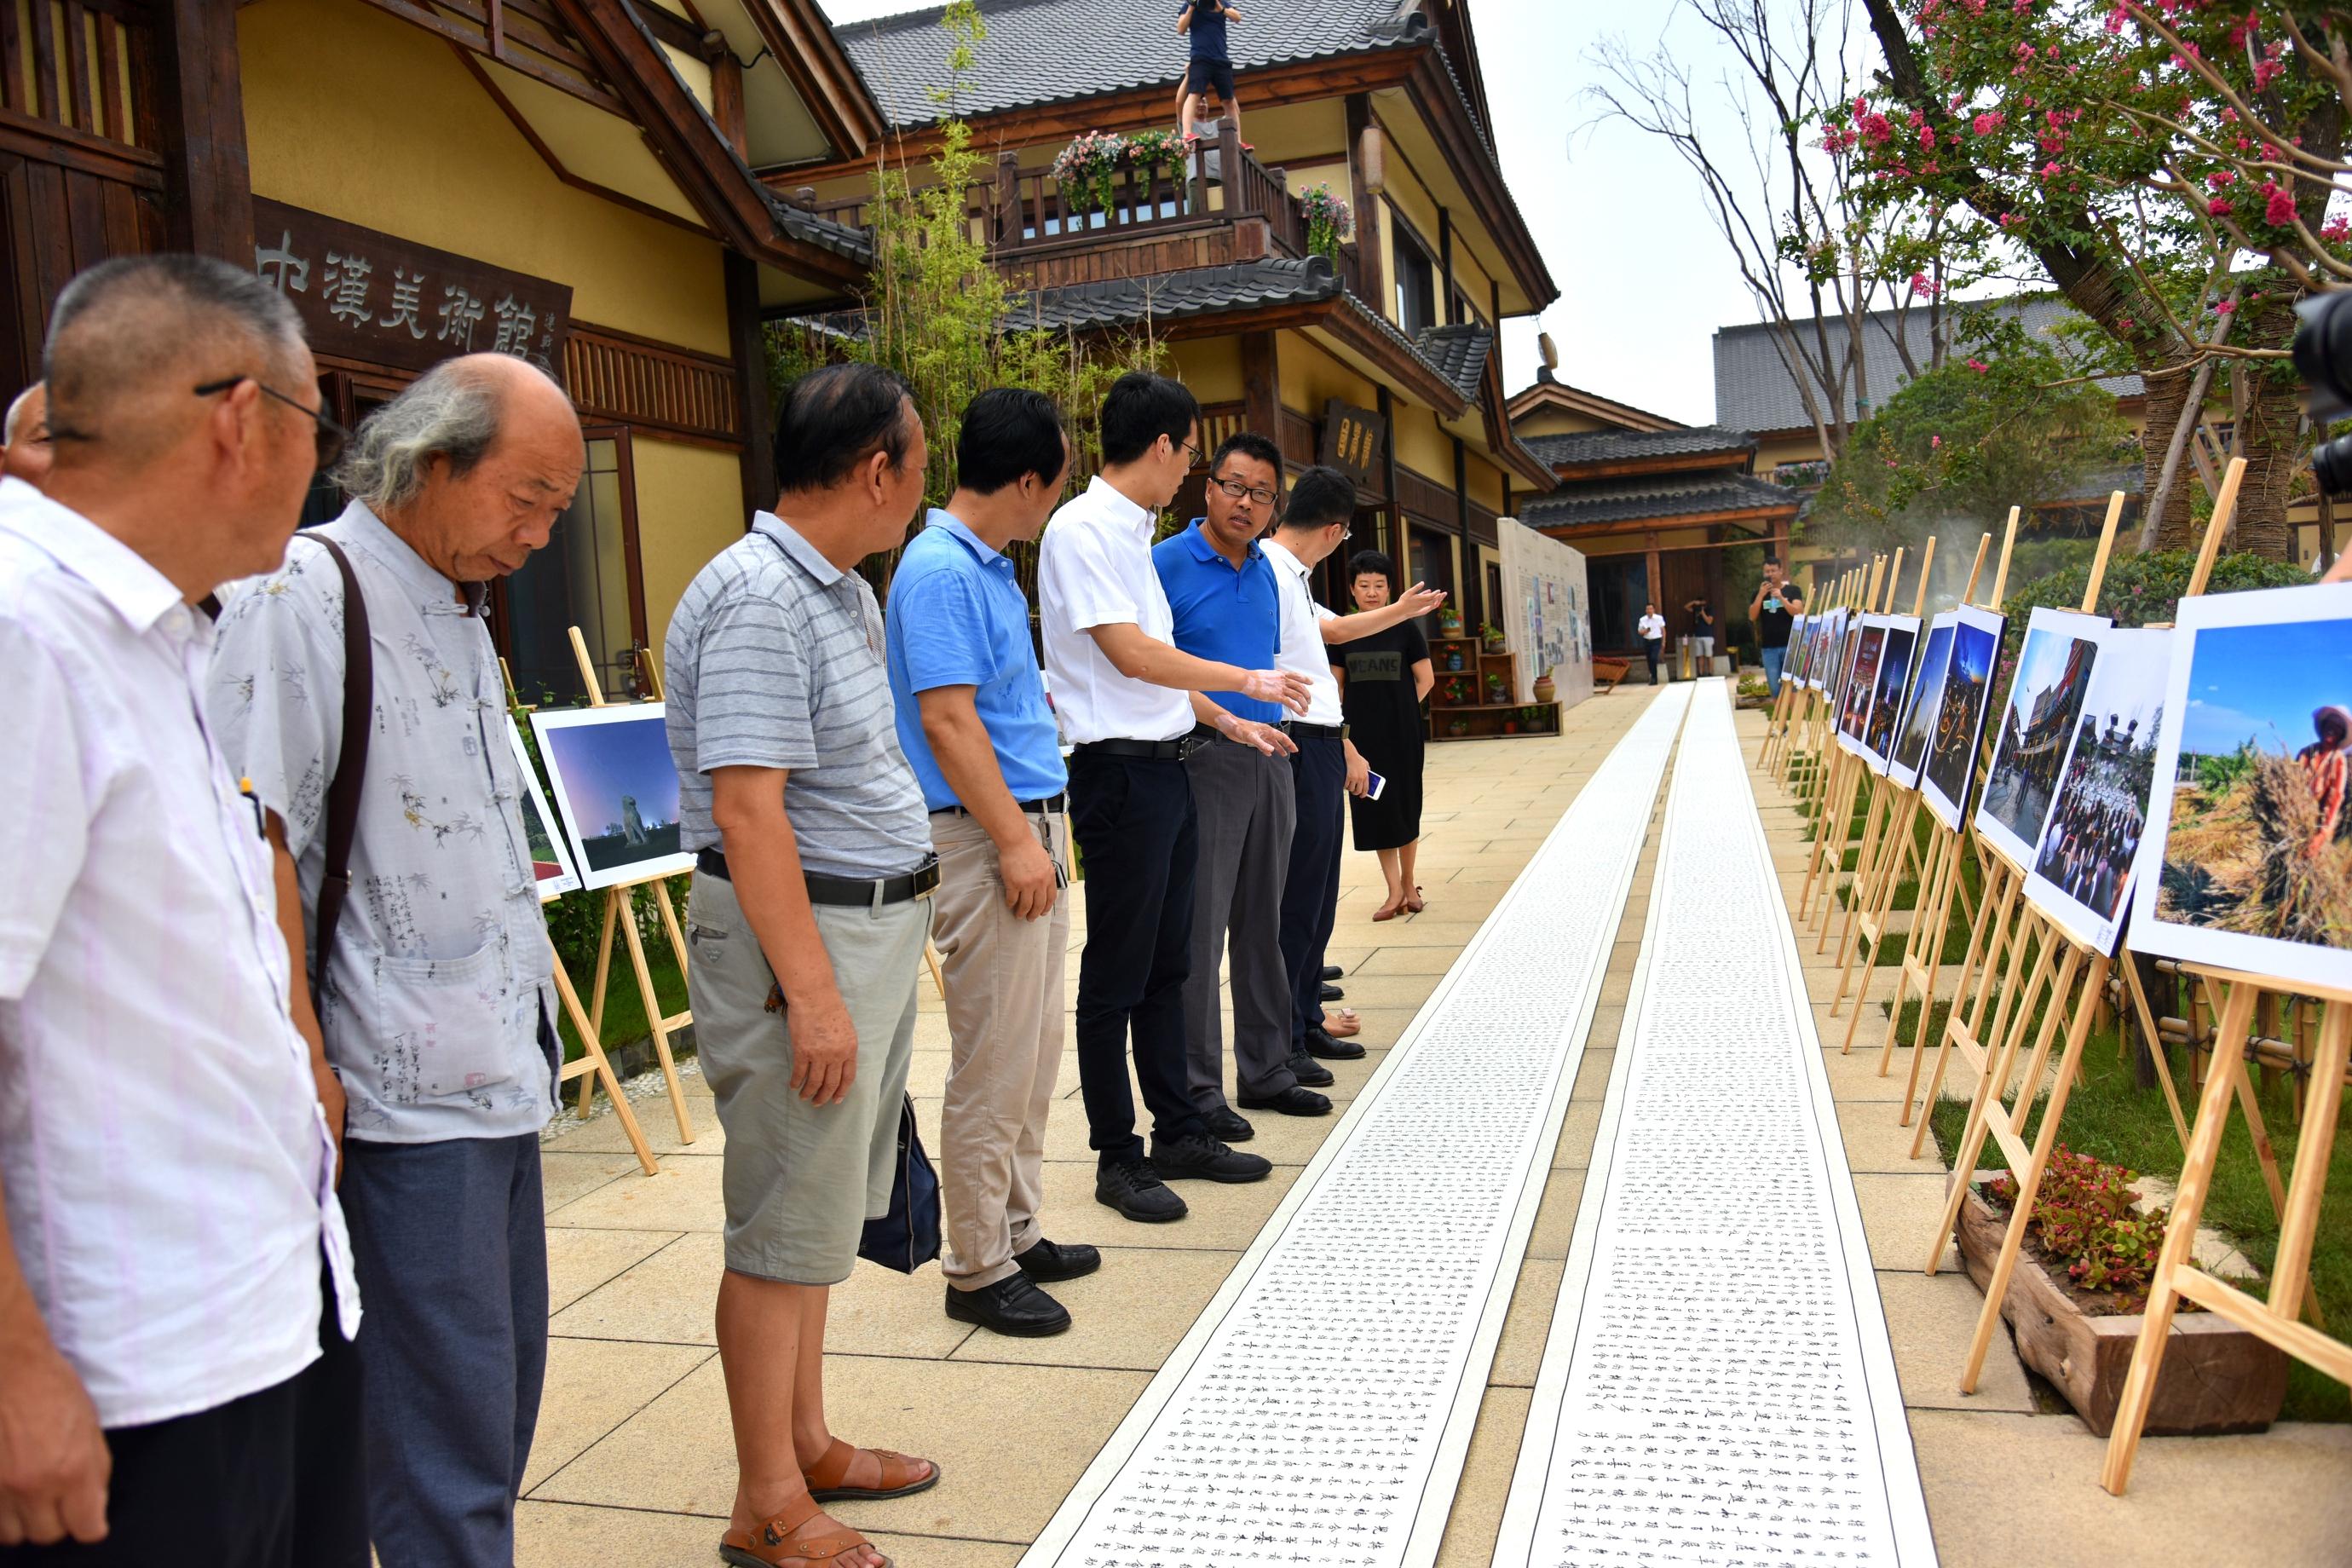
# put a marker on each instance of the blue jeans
(1773, 656)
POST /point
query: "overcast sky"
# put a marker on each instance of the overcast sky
(1643, 279)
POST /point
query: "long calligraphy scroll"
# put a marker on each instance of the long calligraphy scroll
(1718, 1388)
(1320, 1410)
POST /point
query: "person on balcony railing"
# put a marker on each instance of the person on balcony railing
(1212, 65)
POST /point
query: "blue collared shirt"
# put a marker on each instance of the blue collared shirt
(957, 617)
(1234, 616)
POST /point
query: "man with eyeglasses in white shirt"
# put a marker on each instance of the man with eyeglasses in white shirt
(177, 1383)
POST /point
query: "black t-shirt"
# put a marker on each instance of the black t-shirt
(1384, 656)
(1771, 624)
(1208, 31)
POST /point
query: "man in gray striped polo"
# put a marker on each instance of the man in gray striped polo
(814, 870)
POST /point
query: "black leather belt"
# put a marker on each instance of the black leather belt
(1317, 731)
(1049, 806)
(1175, 750)
(1203, 734)
(852, 892)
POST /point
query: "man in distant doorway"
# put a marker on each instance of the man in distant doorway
(1772, 612)
(1653, 627)
(974, 723)
(1702, 634)
(24, 450)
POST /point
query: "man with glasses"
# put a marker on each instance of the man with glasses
(1226, 604)
(1120, 688)
(435, 1001)
(176, 1306)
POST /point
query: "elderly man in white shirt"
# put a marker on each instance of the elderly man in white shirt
(177, 1383)
(1120, 690)
(1327, 766)
(437, 1005)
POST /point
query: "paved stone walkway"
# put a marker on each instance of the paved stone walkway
(634, 1462)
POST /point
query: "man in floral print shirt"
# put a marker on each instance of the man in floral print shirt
(436, 1005)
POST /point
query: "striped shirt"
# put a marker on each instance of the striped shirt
(774, 659)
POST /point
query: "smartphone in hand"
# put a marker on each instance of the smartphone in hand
(1373, 783)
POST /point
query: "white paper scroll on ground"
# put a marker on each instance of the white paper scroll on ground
(1320, 1410)
(1717, 1388)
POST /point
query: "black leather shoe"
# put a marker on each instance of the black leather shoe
(1136, 1190)
(1330, 992)
(1332, 972)
(1319, 1043)
(1047, 1261)
(1291, 1101)
(1012, 1306)
(1227, 1126)
(1201, 1157)
(1304, 1068)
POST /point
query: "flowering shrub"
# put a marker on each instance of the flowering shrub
(1085, 166)
(1148, 152)
(2085, 1222)
(1330, 220)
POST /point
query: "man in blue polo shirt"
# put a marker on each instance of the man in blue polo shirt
(973, 722)
(1227, 606)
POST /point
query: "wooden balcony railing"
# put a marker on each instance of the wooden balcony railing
(78, 66)
(1217, 204)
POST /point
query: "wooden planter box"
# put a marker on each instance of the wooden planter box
(2216, 1377)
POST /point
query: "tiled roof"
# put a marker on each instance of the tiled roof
(1631, 446)
(1459, 352)
(1050, 51)
(1754, 389)
(1667, 496)
(806, 225)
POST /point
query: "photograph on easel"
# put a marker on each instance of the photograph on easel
(2249, 846)
(2081, 870)
(1849, 645)
(1885, 698)
(1854, 700)
(615, 790)
(550, 860)
(1792, 663)
(1927, 700)
(1960, 715)
(2037, 722)
(1830, 638)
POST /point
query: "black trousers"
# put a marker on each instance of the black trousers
(275, 1479)
(1651, 648)
(1310, 897)
(1138, 839)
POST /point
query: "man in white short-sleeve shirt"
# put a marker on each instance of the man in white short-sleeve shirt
(175, 1291)
(1653, 627)
(1120, 690)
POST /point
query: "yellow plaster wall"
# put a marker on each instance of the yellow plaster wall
(689, 508)
(1310, 378)
(1473, 280)
(353, 113)
(1210, 367)
(1552, 421)
(1420, 446)
(1485, 482)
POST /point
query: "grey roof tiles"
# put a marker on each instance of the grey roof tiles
(1633, 446)
(1664, 497)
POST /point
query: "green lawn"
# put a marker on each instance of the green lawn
(2109, 1116)
(625, 1014)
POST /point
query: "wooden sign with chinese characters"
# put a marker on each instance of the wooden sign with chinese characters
(1352, 437)
(375, 296)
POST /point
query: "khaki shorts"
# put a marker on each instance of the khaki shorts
(802, 1180)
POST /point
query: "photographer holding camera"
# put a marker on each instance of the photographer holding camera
(1773, 611)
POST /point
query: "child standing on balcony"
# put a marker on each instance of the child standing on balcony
(1212, 64)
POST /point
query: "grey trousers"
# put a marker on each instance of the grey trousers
(1248, 809)
(450, 1241)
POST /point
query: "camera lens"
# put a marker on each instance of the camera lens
(2331, 465)
(2323, 351)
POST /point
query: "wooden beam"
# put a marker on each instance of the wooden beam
(1368, 205)
(200, 114)
(727, 104)
(1445, 264)
(1261, 385)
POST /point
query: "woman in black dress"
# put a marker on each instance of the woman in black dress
(1382, 679)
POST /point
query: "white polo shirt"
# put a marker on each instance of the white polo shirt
(1094, 569)
(1304, 651)
(170, 1181)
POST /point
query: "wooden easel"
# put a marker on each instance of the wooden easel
(618, 917)
(1855, 775)
(2177, 1276)
(1800, 747)
(1834, 800)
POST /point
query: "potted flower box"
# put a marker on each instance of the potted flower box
(2074, 1303)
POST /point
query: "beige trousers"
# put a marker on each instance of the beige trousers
(1006, 1024)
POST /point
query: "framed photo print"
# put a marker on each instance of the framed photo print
(1830, 637)
(1886, 696)
(2082, 869)
(1853, 696)
(1958, 729)
(2247, 860)
(551, 858)
(1910, 753)
(2037, 723)
(1792, 663)
(615, 790)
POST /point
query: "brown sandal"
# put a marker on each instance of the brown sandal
(1413, 904)
(901, 1475)
(770, 1545)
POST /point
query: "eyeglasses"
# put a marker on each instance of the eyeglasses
(1198, 455)
(1237, 489)
(332, 436)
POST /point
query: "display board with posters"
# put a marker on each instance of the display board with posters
(2082, 867)
(1546, 613)
(2246, 862)
(2045, 696)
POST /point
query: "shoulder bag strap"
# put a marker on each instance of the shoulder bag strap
(350, 765)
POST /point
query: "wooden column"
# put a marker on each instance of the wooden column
(1657, 594)
(1392, 531)
(200, 121)
(1367, 212)
(1261, 386)
(1473, 586)
(748, 338)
